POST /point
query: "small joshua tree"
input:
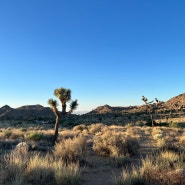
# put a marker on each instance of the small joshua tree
(151, 108)
(64, 95)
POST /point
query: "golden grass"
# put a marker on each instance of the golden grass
(94, 128)
(71, 149)
(24, 168)
(160, 169)
(114, 144)
(182, 139)
(66, 133)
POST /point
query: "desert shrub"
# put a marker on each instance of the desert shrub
(24, 168)
(156, 130)
(113, 144)
(67, 133)
(23, 129)
(13, 166)
(119, 161)
(39, 170)
(16, 134)
(167, 159)
(174, 124)
(34, 136)
(162, 168)
(169, 146)
(71, 149)
(182, 139)
(48, 170)
(156, 169)
(94, 128)
(79, 128)
(7, 134)
(161, 142)
(129, 125)
(67, 175)
(131, 146)
(147, 174)
(130, 178)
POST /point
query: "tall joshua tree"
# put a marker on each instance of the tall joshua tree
(64, 95)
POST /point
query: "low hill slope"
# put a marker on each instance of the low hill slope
(28, 111)
(176, 102)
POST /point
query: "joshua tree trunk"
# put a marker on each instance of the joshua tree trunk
(57, 115)
(56, 130)
(64, 108)
(152, 120)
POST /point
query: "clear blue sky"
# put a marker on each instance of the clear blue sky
(106, 51)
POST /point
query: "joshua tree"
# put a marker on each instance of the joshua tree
(151, 108)
(64, 95)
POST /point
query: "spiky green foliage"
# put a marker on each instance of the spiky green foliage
(144, 99)
(52, 103)
(64, 95)
(74, 105)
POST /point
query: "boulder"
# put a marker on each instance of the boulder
(23, 147)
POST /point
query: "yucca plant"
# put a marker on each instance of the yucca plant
(64, 95)
(151, 108)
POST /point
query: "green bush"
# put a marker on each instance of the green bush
(34, 136)
(174, 124)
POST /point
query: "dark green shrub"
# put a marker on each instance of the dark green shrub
(174, 124)
(34, 136)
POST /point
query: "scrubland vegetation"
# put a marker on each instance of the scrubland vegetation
(140, 149)
(131, 154)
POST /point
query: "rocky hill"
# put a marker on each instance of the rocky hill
(4, 110)
(105, 114)
(105, 109)
(173, 103)
(176, 102)
(25, 112)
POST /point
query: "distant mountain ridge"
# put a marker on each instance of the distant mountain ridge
(174, 102)
(38, 111)
(108, 109)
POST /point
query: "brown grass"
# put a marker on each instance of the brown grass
(114, 144)
(71, 149)
(24, 168)
(161, 169)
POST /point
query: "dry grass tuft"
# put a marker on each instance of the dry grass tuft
(182, 139)
(166, 168)
(114, 144)
(71, 149)
(80, 128)
(95, 128)
(24, 168)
